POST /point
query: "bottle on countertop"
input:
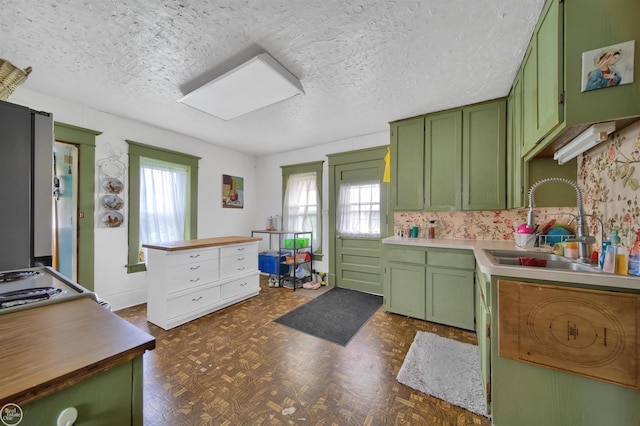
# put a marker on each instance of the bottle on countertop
(606, 243)
(615, 260)
(634, 256)
(431, 229)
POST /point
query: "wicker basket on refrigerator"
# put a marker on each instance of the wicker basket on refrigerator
(10, 78)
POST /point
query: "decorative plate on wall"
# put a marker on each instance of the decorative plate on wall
(112, 202)
(112, 185)
(112, 219)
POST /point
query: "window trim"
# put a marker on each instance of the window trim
(137, 150)
(292, 169)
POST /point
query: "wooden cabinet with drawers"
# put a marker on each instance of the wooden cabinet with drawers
(187, 282)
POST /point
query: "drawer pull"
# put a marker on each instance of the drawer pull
(243, 284)
(193, 268)
(195, 281)
(241, 248)
(240, 269)
(240, 258)
(195, 300)
(193, 256)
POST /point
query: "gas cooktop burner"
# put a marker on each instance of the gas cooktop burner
(28, 295)
(17, 275)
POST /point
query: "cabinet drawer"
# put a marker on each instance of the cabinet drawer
(405, 255)
(191, 256)
(240, 286)
(208, 273)
(239, 263)
(193, 301)
(189, 269)
(238, 249)
(459, 260)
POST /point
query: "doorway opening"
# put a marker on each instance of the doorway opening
(65, 211)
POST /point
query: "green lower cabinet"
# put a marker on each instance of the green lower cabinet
(450, 297)
(531, 395)
(404, 289)
(483, 331)
(431, 284)
(110, 398)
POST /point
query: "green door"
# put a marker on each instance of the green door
(359, 199)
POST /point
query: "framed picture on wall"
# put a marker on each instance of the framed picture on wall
(232, 192)
(608, 66)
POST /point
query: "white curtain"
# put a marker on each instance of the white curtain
(301, 210)
(163, 200)
(358, 212)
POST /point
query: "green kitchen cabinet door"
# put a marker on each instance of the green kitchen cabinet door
(515, 164)
(105, 399)
(450, 297)
(483, 332)
(407, 164)
(443, 168)
(484, 156)
(542, 77)
(405, 289)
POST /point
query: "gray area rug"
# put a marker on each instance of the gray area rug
(335, 316)
(446, 369)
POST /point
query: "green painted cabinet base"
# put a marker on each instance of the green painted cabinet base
(110, 398)
(530, 395)
(404, 289)
(450, 297)
(432, 284)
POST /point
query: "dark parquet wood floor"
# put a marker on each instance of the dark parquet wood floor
(237, 367)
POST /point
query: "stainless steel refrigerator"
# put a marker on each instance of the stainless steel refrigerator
(26, 187)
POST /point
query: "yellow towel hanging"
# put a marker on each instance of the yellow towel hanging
(387, 167)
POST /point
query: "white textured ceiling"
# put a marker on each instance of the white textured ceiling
(361, 63)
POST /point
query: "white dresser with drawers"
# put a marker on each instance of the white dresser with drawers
(189, 279)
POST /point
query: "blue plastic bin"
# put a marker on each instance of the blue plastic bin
(271, 263)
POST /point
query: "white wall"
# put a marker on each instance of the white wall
(111, 279)
(269, 191)
(262, 180)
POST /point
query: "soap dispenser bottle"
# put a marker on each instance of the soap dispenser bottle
(634, 256)
(615, 260)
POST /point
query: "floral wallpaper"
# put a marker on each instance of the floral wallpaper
(608, 175)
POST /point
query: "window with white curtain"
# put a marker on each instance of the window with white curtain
(163, 199)
(358, 212)
(301, 208)
(164, 189)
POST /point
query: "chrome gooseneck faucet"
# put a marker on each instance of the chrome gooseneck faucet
(583, 238)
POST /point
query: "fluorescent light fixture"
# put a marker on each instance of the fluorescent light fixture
(585, 141)
(257, 83)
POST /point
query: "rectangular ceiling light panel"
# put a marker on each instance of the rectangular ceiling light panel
(260, 82)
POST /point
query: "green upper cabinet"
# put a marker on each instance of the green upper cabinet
(483, 154)
(515, 166)
(542, 77)
(450, 160)
(554, 107)
(443, 168)
(407, 164)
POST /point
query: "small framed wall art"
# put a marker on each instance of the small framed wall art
(608, 66)
(232, 192)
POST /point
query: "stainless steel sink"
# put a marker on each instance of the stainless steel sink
(510, 258)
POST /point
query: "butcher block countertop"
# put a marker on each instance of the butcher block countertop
(200, 243)
(46, 349)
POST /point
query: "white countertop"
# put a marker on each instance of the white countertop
(486, 266)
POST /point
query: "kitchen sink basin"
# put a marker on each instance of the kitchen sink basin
(510, 258)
